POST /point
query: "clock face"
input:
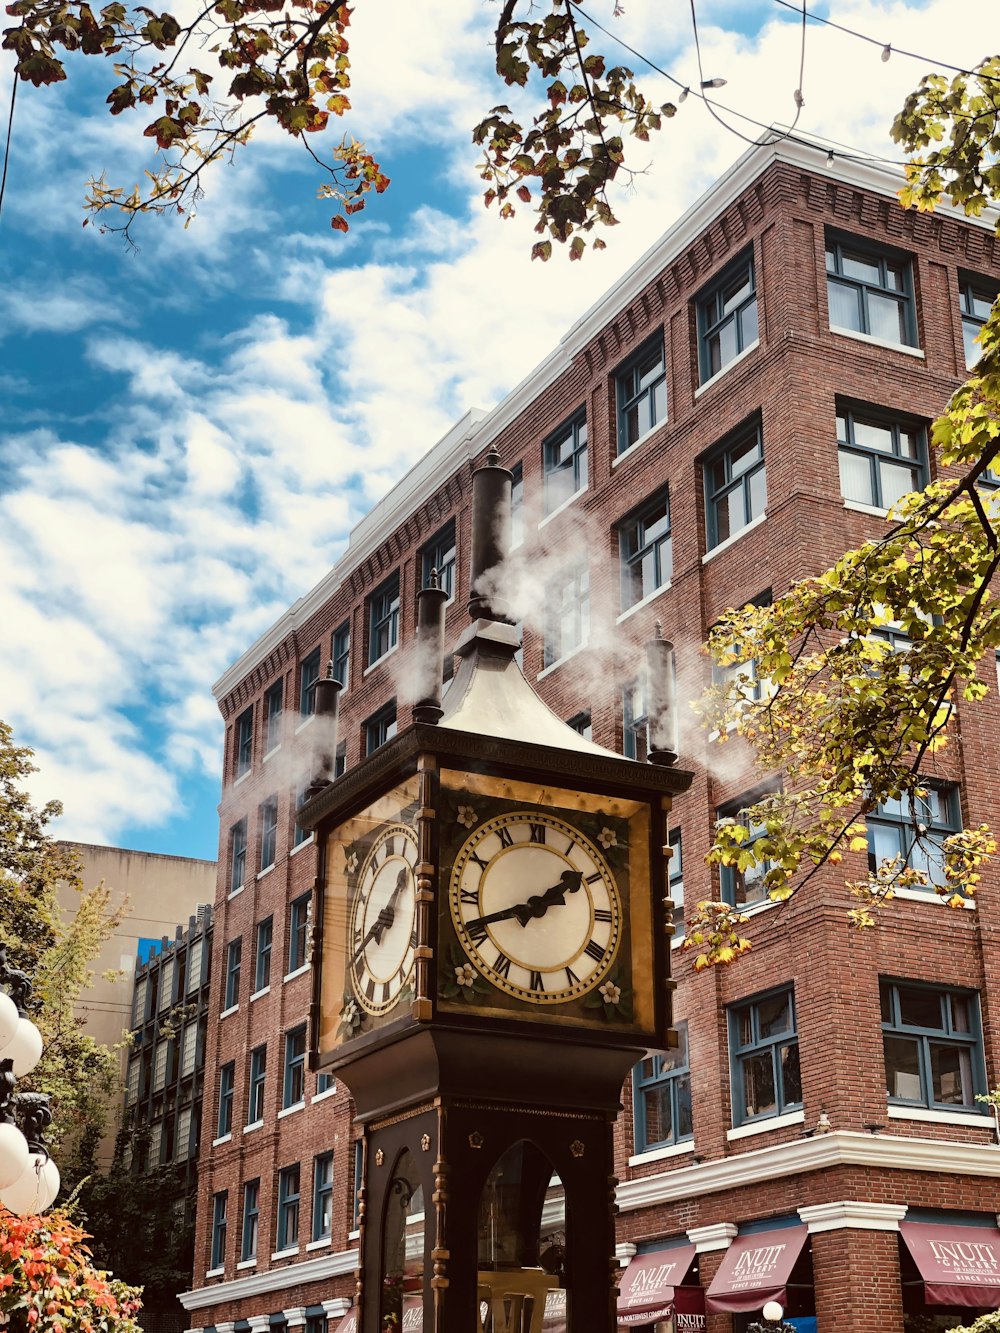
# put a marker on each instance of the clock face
(535, 907)
(383, 920)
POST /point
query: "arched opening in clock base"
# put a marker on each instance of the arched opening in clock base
(522, 1233)
(402, 1244)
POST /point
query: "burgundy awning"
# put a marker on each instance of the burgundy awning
(413, 1317)
(755, 1269)
(647, 1285)
(349, 1323)
(959, 1265)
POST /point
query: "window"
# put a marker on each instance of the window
(567, 616)
(325, 1083)
(139, 995)
(244, 742)
(274, 701)
(234, 956)
(288, 1207)
(727, 317)
(196, 954)
(339, 762)
(322, 1220)
(880, 458)
(167, 983)
(742, 673)
(308, 676)
(439, 554)
(581, 724)
(237, 855)
(641, 389)
(258, 1071)
(914, 831)
(251, 1219)
(675, 876)
(517, 505)
(735, 487)
(635, 722)
(189, 1049)
(262, 959)
(298, 932)
(383, 619)
(564, 462)
(295, 1067)
(870, 292)
(743, 888)
(933, 1046)
(662, 1097)
(268, 832)
(380, 727)
(183, 1150)
(359, 1165)
(644, 550)
(227, 1079)
(300, 834)
(132, 1082)
(220, 1204)
(765, 1056)
(977, 297)
(341, 653)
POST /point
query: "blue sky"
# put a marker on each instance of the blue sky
(189, 430)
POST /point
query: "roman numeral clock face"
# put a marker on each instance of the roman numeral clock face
(383, 920)
(535, 907)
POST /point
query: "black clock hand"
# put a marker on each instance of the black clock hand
(385, 917)
(536, 906)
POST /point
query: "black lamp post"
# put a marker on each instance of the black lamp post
(772, 1320)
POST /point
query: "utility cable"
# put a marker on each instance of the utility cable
(6, 151)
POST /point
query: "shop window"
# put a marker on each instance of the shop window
(764, 1049)
(727, 317)
(933, 1045)
(641, 392)
(662, 1097)
(564, 463)
(881, 457)
(870, 292)
(735, 486)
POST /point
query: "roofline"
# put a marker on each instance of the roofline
(474, 432)
(132, 851)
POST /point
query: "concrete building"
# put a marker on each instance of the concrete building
(735, 412)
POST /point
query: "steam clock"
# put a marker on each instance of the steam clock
(492, 932)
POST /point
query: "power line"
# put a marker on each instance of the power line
(6, 151)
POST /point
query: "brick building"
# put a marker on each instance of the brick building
(739, 409)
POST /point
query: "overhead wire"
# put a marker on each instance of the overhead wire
(6, 151)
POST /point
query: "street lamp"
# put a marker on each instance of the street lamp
(772, 1320)
(29, 1179)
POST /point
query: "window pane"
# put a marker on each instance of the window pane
(951, 1075)
(727, 343)
(919, 1008)
(758, 1084)
(748, 324)
(896, 481)
(960, 1020)
(886, 318)
(684, 1126)
(791, 1078)
(902, 1067)
(861, 268)
(855, 478)
(744, 455)
(774, 1015)
(758, 494)
(873, 436)
(659, 1115)
(736, 291)
(845, 307)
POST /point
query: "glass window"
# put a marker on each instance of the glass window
(220, 1204)
(870, 292)
(383, 619)
(380, 727)
(322, 1220)
(581, 724)
(645, 551)
(262, 959)
(881, 459)
(300, 834)
(234, 958)
(237, 855)
(274, 702)
(183, 1147)
(195, 961)
(564, 462)
(308, 676)
(251, 1220)
(743, 888)
(567, 616)
(727, 317)
(341, 653)
(765, 1056)
(735, 486)
(258, 1072)
(641, 389)
(914, 831)
(517, 506)
(359, 1162)
(139, 994)
(227, 1080)
(268, 832)
(439, 554)
(662, 1096)
(325, 1083)
(635, 722)
(189, 1049)
(167, 983)
(132, 1082)
(976, 298)
(244, 742)
(298, 932)
(933, 1045)
(675, 872)
(339, 762)
(743, 673)
(288, 1207)
(295, 1067)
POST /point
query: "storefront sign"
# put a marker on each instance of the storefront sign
(647, 1285)
(959, 1265)
(755, 1269)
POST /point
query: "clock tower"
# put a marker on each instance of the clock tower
(491, 933)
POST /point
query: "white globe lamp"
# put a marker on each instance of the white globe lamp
(772, 1312)
(13, 1154)
(9, 1019)
(24, 1048)
(35, 1189)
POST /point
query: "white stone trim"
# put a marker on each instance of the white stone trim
(659, 1154)
(877, 342)
(235, 893)
(306, 842)
(305, 720)
(762, 1126)
(740, 356)
(225, 1326)
(322, 1096)
(882, 1152)
(645, 601)
(246, 1263)
(323, 1244)
(929, 896)
(932, 1116)
(259, 1323)
(637, 444)
(267, 870)
(233, 1009)
(859, 507)
(285, 1254)
(336, 1264)
(273, 750)
(264, 990)
(853, 1213)
(244, 775)
(254, 1124)
(290, 1110)
(563, 506)
(295, 1317)
(290, 976)
(718, 1236)
(372, 666)
(730, 541)
(215, 1272)
(339, 1306)
(226, 1138)
(561, 661)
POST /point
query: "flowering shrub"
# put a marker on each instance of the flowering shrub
(48, 1281)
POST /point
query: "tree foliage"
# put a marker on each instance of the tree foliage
(205, 81)
(56, 951)
(847, 718)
